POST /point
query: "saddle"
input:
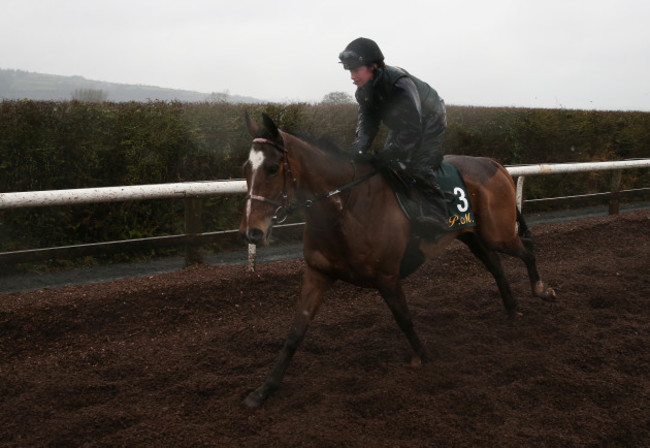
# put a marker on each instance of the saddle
(459, 209)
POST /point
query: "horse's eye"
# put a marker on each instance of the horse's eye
(273, 169)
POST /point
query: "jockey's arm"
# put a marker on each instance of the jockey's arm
(404, 119)
(367, 128)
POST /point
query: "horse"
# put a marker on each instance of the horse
(355, 230)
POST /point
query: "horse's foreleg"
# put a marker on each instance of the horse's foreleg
(313, 287)
(391, 291)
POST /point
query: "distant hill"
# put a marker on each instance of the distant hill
(18, 84)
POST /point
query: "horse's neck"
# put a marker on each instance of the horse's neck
(318, 172)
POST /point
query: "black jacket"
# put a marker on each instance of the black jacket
(409, 107)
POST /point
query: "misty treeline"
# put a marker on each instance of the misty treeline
(90, 95)
(19, 84)
(65, 145)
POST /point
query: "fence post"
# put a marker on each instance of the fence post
(614, 203)
(520, 193)
(252, 255)
(193, 226)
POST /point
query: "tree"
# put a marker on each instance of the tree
(338, 98)
(90, 95)
(219, 97)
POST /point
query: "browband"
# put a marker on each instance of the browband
(269, 142)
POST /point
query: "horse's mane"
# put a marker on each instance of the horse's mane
(326, 144)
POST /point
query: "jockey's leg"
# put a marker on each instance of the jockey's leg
(433, 207)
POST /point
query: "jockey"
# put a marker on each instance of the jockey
(414, 114)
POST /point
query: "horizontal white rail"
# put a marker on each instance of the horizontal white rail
(212, 188)
(117, 194)
(554, 168)
(521, 171)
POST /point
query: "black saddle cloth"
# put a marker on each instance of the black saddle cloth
(459, 210)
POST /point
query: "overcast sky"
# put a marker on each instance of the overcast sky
(575, 54)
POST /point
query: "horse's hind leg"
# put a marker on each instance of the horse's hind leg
(492, 262)
(522, 248)
(391, 291)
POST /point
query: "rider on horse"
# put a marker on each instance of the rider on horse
(415, 116)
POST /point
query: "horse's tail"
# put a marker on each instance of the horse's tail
(523, 231)
(522, 227)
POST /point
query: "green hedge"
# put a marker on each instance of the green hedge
(62, 145)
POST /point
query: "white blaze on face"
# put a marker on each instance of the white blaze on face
(256, 159)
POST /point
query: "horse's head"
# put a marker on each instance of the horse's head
(267, 175)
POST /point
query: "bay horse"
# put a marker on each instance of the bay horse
(355, 230)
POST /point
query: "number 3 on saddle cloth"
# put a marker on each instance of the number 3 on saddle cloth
(459, 209)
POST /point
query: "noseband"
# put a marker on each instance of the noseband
(284, 206)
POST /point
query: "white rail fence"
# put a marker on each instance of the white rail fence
(117, 194)
(193, 190)
(521, 171)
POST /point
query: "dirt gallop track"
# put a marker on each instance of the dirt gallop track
(166, 361)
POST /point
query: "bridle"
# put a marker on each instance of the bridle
(286, 207)
(283, 204)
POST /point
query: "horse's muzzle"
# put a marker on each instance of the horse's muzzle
(253, 235)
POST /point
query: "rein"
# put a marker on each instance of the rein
(284, 205)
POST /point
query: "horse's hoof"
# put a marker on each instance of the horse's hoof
(545, 293)
(254, 400)
(549, 295)
(416, 361)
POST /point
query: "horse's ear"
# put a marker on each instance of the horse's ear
(270, 126)
(251, 125)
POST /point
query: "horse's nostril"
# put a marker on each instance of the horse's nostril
(254, 236)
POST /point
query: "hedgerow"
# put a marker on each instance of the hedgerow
(65, 145)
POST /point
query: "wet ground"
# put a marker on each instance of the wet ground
(165, 360)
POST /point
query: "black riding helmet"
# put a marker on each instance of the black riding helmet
(360, 51)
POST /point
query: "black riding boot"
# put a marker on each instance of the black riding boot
(434, 217)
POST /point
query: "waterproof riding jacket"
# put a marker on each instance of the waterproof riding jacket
(411, 109)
